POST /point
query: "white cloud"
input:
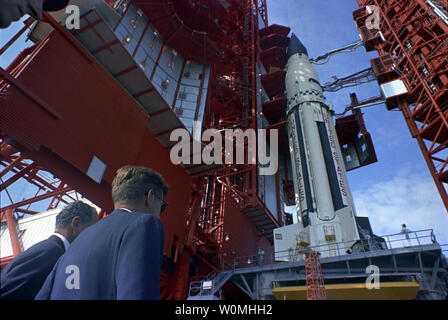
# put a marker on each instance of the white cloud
(410, 198)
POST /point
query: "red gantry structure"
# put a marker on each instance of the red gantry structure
(80, 103)
(412, 69)
(315, 288)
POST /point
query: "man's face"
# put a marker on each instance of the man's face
(13, 10)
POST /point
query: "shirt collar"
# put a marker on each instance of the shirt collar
(64, 240)
(125, 209)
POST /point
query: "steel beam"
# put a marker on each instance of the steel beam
(435, 271)
(106, 46)
(27, 23)
(15, 243)
(141, 38)
(17, 176)
(35, 199)
(11, 165)
(25, 90)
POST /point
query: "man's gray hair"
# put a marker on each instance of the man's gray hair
(75, 209)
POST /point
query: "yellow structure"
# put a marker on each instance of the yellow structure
(403, 290)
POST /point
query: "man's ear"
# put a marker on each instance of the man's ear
(75, 223)
(149, 196)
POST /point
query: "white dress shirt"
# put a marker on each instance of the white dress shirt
(64, 240)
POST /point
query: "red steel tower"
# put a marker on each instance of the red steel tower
(80, 103)
(411, 37)
(315, 288)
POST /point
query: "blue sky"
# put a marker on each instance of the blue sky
(5, 35)
(398, 188)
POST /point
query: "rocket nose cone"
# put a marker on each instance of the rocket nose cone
(295, 46)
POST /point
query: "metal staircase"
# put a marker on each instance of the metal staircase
(207, 288)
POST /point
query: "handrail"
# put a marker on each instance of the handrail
(409, 239)
(391, 241)
(208, 286)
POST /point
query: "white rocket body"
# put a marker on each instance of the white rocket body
(325, 214)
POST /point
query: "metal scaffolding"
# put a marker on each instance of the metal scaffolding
(412, 42)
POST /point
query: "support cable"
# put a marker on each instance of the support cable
(365, 105)
(326, 57)
(361, 77)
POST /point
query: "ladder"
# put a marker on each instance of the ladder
(330, 237)
(315, 289)
(302, 241)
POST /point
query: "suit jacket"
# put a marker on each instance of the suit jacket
(23, 277)
(119, 257)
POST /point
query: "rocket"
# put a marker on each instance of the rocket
(325, 214)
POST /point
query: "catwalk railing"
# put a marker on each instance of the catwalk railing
(392, 241)
(212, 284)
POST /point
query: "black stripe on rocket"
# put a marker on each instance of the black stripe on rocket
(338, 202)
(304, 164)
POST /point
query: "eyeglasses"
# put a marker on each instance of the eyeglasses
(164, 202)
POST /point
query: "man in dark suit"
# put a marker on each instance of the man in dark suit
(23, 277)
(120, 257)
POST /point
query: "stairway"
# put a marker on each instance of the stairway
(207, 288)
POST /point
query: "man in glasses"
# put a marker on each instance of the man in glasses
(120, 257)
(163, 202)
